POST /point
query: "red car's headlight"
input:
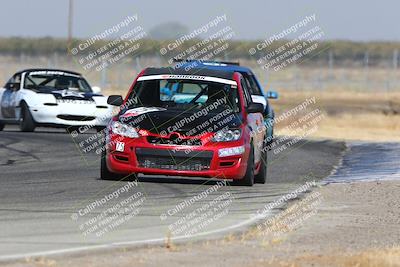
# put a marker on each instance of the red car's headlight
(124, 130)
(227, 135)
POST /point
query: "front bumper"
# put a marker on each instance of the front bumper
(72, 115)
(139, 156)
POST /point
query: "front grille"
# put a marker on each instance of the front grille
(173, 141)
(75, 118)
(174, 160)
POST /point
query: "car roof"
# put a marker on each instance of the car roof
(48, 69)
(215, 65)
(223, 73)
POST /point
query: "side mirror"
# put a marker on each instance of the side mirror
(272, 95)
(13, 86)
(115, 100)
(255, 108)
(96, 89)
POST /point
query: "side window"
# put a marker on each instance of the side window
(190, 88)
(252, 84)
(28, 83)
(251, 90)
(16, 79)
(246, 93)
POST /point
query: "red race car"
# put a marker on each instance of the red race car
(187, 123)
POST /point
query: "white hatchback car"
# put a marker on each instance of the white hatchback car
(50, 97)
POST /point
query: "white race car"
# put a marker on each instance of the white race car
(49, 97)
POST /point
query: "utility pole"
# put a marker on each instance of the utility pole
(70, 16)
(395, 65)
(330, 64)
(366, 68)
(395, 58)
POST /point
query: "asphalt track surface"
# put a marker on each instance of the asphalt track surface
(368, 162)
(46, 183)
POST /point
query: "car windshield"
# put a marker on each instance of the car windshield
(184, 94)
(50, 82)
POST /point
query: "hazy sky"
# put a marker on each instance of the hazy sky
(251, 19)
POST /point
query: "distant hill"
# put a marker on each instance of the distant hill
(168, 31)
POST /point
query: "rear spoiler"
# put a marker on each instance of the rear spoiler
(207, 61)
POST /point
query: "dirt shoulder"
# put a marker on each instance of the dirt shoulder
(350, 225)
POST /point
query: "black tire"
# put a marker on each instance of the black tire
(2, 126)
(26, 122)
(262, 175)
(248, 178)
(106, 174)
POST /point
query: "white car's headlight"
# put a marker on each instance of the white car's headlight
(230, 151)
(124, 129)
(227, 135)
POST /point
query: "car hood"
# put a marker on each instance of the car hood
(71, 95)
(187, 122)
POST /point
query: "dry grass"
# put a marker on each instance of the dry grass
(371, 127)
(368, 127)
(348, 115)
(339, 101)
(371, 258)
